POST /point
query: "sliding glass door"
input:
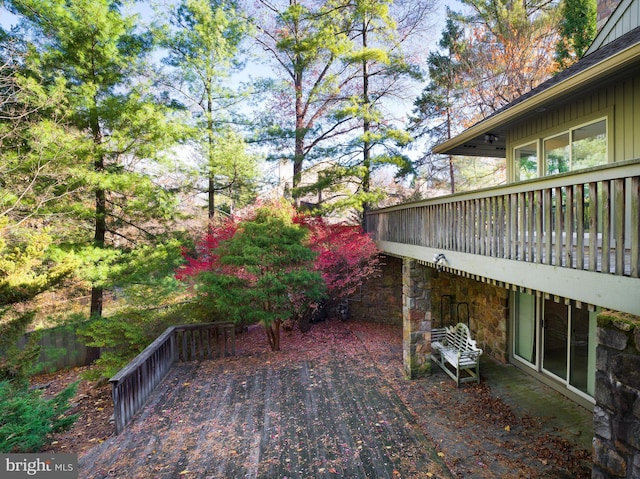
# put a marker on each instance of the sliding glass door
(567, 338)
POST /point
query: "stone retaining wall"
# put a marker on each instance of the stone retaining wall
(616, 444)
(380, 299)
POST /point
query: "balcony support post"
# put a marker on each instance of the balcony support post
(416, 315)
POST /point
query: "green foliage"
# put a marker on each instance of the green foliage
(577, 31)
(203, 40)
(144, 279)
(27, 268)
(272, 266)
(16, 363)
(97, 54)
(27, 418)
(263, 273)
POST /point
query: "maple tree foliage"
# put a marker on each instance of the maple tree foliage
(347, 256)
(269, 264)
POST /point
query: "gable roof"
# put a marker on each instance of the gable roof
(624, 18)
(606, 64)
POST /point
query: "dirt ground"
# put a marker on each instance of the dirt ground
(474, 433)
(93, 405)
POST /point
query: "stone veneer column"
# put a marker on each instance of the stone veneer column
(616, 442)
(416, 319)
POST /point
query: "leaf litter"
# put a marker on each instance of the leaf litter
(332, 403)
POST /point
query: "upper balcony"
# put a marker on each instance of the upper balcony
(574, 235)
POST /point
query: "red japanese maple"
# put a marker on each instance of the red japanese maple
(346, 255)
(206, 257)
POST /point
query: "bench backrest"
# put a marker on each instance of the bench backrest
(459, 337)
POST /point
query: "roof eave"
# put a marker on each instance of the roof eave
(563, 89)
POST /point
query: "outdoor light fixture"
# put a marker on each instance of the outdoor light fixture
(440, 260)
(490, 138)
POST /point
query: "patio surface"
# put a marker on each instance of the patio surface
(334, 404)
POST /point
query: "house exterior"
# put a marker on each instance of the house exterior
(533, 264)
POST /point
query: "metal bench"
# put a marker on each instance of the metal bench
(454, 351)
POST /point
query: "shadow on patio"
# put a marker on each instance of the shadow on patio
(332, 404)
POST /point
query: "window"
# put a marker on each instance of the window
(589, 146)
(556, 154)
(580, 147)
(526, 159)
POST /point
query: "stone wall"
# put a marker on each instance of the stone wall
(488, 309)
(416, 312)
(616, 444)
(380, 300)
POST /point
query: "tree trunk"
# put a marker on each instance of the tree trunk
(273, 334)
(100, 230)
(100, 227)
(366, 127)
(212, 174)
(298, 156)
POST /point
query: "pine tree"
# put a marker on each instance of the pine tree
(434, 113)
(97, 54)
(203, 39)
(306, 42)
(577, 31)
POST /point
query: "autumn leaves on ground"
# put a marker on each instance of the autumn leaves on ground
(332, 403)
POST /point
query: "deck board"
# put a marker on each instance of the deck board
(316, 418)
(334, 403)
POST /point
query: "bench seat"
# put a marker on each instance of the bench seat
(456, 353)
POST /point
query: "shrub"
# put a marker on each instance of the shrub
(27, 419)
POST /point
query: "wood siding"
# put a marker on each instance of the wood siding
(619, 103)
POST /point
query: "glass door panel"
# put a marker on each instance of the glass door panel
(555, 335)
(525, 328)
(582, 350)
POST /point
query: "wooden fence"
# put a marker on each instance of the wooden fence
(60, 348)
(132, 385)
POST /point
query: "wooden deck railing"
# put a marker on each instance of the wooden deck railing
(588, 220)
(133, 384)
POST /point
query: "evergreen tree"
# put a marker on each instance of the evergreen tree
(381, 65)
(28, 267)
(434, 113)
(306, 42)
(203, 39)
(97, 54)
(577, 31)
